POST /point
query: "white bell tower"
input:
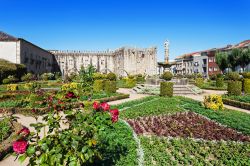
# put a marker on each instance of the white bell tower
(166, 51)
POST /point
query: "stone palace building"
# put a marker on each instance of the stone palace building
(121, 61)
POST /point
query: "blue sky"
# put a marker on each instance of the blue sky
(190, 25)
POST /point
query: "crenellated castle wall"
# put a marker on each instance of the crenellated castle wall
(121, 61)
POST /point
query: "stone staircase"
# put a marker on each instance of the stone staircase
(182, 90)
(178, 89)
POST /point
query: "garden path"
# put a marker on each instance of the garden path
(200, 97)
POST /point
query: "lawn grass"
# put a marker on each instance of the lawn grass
(152, 106)
(162, 151)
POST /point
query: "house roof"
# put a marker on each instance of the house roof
(6, 37)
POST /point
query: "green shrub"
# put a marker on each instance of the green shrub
(111, 76)
(130, 83)
(27, 77)
(98, 85)
(131, 76)
(233, 76)
(246, 75)
(199, 82)
(167, 76)
(199, 75)
(166, 89)
(6, 81)
(213, 77)
(47, 76)
(234, 87)
(219, 82)
(99, 76)
(140, 78)
(246, 86)
(110, 86)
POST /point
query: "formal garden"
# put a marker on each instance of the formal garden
(80, 127)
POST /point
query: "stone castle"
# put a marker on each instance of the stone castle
(122, 61)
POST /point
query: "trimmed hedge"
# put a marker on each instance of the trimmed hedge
(234, 88)
(167, 76)
(166, 89)
(98, 85)
(130, 82)
(199, 82)
(219, 82)
(246, 86)
(111, 76)
(110, 86)
(236, 103)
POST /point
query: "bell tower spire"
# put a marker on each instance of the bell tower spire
(166, 51)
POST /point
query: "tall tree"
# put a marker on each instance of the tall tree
(244, 58)
(222, 60)
(233, 58)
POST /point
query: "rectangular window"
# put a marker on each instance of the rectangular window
(215, 69)
(210, 69)
(210, 59)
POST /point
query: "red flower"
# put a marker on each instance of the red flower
(70, 95)
(25, 131)
(33, 110)
(20, 146)
(114, 119)
(114, 114)
(105, 106)
(96, 105)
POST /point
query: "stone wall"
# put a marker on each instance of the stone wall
(122, 61)
(8, 51)
(36, 59)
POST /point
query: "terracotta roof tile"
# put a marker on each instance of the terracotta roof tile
(6, 37)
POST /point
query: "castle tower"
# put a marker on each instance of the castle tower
(166, 51)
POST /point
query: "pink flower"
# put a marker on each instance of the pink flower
(105, 106)
(114, 119)
(96, 105)
(33, 110)
(20, 146)
(25, 131)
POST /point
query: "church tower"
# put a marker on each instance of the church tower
(166, 51)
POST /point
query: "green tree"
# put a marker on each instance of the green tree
(244, 58)
(233, 58)
(222, 60)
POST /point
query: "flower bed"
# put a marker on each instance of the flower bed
(6, 144)
(164, 151)
(187, 125)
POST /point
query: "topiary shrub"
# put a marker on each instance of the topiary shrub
(110, 86)
(130, 83)
(213, 102)
(111, 76)
(246, 87)
(234, 88)
(199, 82)
(167, 76)
(6, 81)
(233, 76)
(166, 89)
(219, 82)
(246, 75)
(98, 85)
(99, 76)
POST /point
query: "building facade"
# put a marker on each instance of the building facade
(122, 61)
(20, 51)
